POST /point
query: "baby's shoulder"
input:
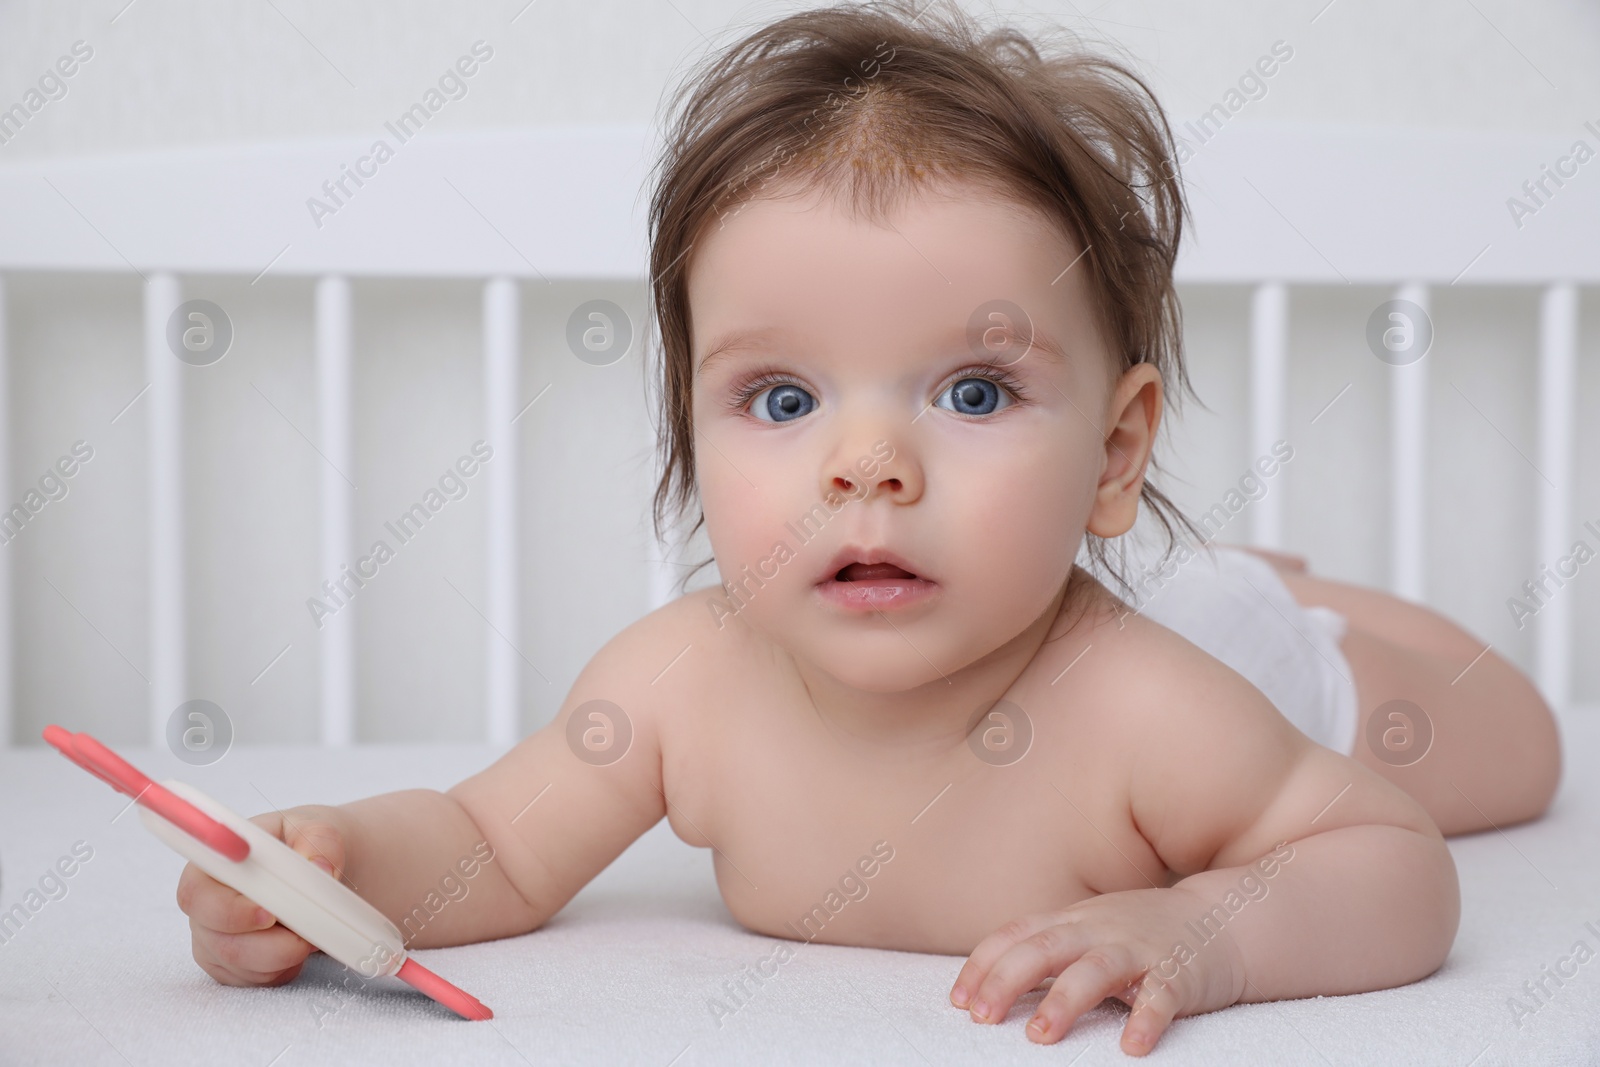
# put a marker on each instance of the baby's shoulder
(1103, 645)
(1199, 743)
(662, 659)
(697, 620)
(1133, 686)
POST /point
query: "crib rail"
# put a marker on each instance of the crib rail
(1275, 207)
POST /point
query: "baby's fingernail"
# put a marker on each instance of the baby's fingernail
(324, 864)
(1040, 1025)
(980, 1010)
(959, 996)
(264, 917)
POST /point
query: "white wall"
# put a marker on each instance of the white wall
(169, 73)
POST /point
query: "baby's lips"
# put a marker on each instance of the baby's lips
(859, 572)
(849, 554)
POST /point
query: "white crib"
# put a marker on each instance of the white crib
(538, 220)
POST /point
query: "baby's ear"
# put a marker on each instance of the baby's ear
(1132, 417)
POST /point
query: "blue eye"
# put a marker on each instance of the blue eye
(972, 396)
(782, 403)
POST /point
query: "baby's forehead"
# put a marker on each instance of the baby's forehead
(951, 234)
(879, 205)
(938, 250)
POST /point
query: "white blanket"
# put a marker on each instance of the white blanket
(630, 972)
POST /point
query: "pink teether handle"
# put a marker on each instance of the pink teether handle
(453, 997)
(122, 776)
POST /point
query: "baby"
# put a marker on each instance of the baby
(913, 284)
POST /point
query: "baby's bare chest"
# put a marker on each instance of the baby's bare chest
(821, 836)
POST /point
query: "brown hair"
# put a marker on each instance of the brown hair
(872, 100)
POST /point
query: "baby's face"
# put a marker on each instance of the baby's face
(855, 419)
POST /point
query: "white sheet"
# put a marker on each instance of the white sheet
(624, 974)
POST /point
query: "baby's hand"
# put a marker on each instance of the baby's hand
(235, 940)
(1114, 945)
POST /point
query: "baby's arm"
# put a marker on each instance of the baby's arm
(1303, 871)
(1364, 894)
(550, 820)
(533, 828)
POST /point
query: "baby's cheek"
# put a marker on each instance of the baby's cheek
(1022, 527)
(744, 525)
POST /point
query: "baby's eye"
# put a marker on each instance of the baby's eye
(974, 396)
(782, 403)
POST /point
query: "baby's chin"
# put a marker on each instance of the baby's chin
(882, 659)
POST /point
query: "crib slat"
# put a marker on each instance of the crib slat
(1408, 431)
(334, 424)
(1558, 389)
(1269, 384)
(7, 681)
(162, 295)
(501, 355)
(660, 572)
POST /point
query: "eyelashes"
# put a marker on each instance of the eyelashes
(762, 380)
(753, 387)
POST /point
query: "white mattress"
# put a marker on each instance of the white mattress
(627, 972)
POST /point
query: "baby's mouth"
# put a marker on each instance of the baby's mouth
(863, 572)
(874, 587)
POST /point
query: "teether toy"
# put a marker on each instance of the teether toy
(238, 853)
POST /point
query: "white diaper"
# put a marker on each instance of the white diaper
(1233, 605)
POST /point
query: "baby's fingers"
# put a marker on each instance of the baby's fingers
(1027, 963)
(1154, 1008)
(262, 958)
(1102, 971)
(211, 904)
(990, 951)
(316, 839)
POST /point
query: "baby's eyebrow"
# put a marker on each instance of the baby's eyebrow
(1040, 342)
(736, 341)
